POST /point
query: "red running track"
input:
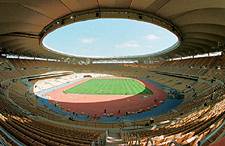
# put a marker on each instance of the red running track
(221, 142)
(95, 105)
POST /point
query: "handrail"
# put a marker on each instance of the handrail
(16, 141)
(209, 136)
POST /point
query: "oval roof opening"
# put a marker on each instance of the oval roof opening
(109, 38)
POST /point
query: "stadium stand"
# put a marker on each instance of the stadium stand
(192, 114)
(180, 130)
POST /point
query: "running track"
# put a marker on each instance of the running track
(95, 105)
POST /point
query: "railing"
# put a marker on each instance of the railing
(12, 138)
(211, 135)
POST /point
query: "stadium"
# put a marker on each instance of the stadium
(136, 95)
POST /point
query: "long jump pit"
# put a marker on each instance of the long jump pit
(97, 104)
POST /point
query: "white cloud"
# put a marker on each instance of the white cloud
(87, 40)
(152, 37)
(129, 44)
(148, 47)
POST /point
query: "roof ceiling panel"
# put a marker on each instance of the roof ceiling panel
(80, 5)
(141, 5)
(178, 7)
(201, 22)
(49, 8)
(207, 16)
(8, 27)
(115, 3)
(207, 28)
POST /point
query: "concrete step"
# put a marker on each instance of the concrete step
(113, 137)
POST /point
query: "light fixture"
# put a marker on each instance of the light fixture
(71, 17)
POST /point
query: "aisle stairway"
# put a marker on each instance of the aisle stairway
(113, 138)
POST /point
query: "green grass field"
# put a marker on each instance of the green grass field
(110, 87)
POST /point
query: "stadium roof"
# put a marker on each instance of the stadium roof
(199, 24)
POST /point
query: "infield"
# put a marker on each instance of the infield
(112, 86)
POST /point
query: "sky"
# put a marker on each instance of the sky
(109, 38)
